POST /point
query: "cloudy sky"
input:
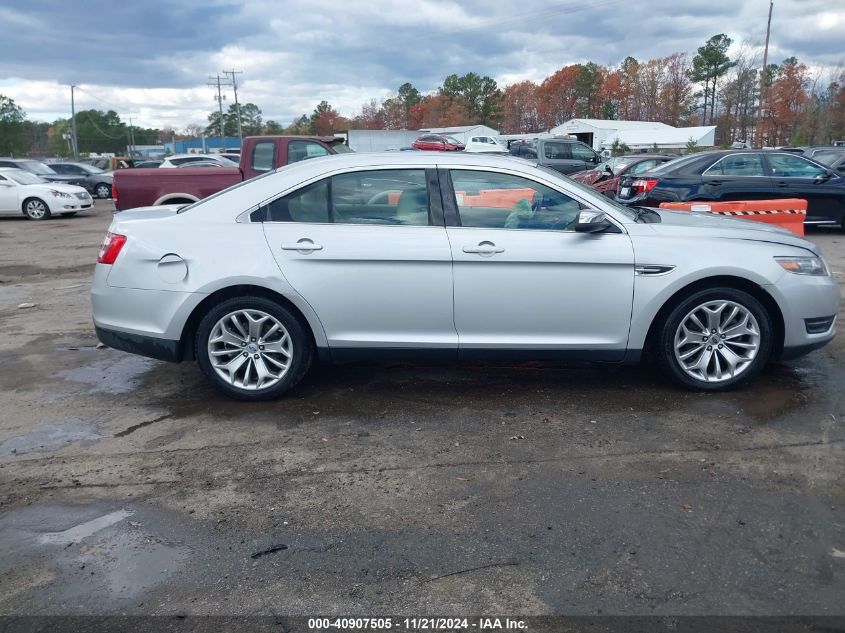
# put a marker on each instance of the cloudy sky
(152, 58)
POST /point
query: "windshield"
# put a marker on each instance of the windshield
(24, 177)
(37, 168)
(551, 174)
(342, 148)
(91, 169)
(452, 140)
(616, 164)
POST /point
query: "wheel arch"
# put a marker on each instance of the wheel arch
(186, 340)
(176, 198)
(722, 281)
(31, 197)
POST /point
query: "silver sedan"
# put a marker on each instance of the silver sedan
(422, 255)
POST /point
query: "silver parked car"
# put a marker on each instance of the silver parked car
(455, 256)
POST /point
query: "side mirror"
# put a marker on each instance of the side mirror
(823, 177)
(591, 222)
(5, 183)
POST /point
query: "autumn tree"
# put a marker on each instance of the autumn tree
(786, 101)
(521, 108)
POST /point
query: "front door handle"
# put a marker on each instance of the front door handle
(715, 183)
(782, 183)
(303, 246)
(484, 248)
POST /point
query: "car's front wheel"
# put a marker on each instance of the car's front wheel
(102, 191)
(252, 348)
(36, 209)
(715, 339)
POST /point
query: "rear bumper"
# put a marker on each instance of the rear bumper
(159, 348)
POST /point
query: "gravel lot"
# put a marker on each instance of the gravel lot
(128, 486)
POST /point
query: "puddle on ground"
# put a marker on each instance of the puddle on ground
(120, 375)
(49, 437)
(84, 530)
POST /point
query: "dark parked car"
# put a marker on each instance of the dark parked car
(607, 175)
(741, 175)
(438, 143)
(94, 179)
(564, 155)
(40, 169)
(830, 157)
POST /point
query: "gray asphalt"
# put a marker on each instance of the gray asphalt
(128, 486)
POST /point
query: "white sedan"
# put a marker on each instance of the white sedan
(451, 255)
(38, 199)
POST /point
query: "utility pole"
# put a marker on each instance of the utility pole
(763, 77)
(131, 138)
(220, 97)
(237, 105)
(74, 142)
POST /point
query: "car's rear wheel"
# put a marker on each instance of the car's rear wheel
(252, 348)
(715, 339)
(36, 209)
(102, 191)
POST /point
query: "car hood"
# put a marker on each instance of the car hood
(587, 177)
(60, 186)
(689, 223)
(62, 178)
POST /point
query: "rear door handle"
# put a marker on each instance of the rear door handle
(782, 183)
(484, 248)
(303, 246)
(715, 183)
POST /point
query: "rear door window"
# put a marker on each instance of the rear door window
(385, 196)
(556, 151)
(263, 155)
(747, 165)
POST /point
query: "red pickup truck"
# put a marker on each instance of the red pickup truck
(182, 185)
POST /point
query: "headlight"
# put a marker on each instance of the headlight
(59, 194)
(803, 265)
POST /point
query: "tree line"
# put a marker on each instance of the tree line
(707, 88)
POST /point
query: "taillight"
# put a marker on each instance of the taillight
(114, 193)
(111, 248)
(643, 185)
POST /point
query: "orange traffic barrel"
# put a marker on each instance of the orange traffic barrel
(788, 213)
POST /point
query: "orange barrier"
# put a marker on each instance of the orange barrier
(495, 198)
(788, 213)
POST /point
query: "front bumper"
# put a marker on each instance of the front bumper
(804, 302)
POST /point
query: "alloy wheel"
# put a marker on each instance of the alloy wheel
(717, 341)
(250, 349)
(36, 209)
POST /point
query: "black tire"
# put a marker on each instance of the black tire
(30, 205)
(665, 347)
(300, 338)
(102, 191)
